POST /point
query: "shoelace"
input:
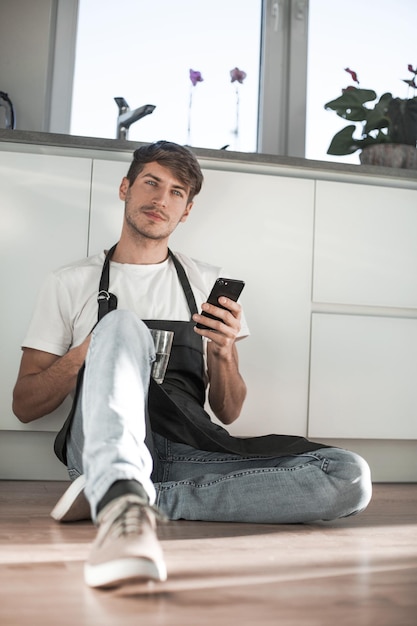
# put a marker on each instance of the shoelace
(130, 519)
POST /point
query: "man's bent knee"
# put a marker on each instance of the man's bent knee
(362, 486)
(351, 477)
(124, 323)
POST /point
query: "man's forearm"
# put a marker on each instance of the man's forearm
(38, 393)
(227, 391)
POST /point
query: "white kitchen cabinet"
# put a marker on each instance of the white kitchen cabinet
(260, 228)
(365, 250)
(106, 207)
(363, 377)
(357, 387)
(43, 225)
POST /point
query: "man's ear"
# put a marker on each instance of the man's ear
(124, 186)
(187, 211)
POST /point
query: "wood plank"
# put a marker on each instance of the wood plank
(361, 570)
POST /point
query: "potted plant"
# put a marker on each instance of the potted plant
(387, 127)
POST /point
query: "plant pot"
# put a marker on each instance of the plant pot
(390, 155)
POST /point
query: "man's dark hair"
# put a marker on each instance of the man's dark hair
(178, 159)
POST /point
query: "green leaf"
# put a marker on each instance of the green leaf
(377, 117)
(350, 104)
(343, 142)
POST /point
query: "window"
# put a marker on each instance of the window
(375, 38)
(293, 51)
(143, 51)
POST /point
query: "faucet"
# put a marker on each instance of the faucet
(9, 116)
(127, 117)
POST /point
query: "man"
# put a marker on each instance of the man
(130, 443)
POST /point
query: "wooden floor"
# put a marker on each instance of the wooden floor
(361, 571)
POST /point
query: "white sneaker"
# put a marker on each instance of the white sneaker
(126, 548)
(73, 505)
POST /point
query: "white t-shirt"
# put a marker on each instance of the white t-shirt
(66, 308)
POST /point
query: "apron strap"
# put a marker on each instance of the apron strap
(106, 301)
(185, 283)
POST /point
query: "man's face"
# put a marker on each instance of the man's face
(155, 203)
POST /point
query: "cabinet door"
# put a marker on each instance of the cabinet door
(106, 207)
(363, 377)
(365, 245)
(260, 228)
(43, 225)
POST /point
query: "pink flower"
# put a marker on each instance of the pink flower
(237, 74)
(195, 77)
(353, 74)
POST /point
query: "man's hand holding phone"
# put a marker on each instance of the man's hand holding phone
(221, 313)
(219, 322)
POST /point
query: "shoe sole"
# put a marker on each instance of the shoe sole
(73, 505)
(123, 571)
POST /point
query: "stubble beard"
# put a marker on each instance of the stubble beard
(143, 231)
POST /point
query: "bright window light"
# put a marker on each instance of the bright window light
(143, 51)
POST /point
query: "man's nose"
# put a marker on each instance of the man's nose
(160, 197)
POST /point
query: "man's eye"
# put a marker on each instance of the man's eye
(177, 193)
(150, 182)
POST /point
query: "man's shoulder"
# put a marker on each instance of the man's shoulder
(84, 265)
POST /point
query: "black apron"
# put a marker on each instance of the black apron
(176, 407)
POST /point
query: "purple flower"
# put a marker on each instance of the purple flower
(237, 74)
(195, 77)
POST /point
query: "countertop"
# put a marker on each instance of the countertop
(229, 159)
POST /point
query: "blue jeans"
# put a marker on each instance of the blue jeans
(107, 443)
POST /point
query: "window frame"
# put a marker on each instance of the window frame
(283, 78)
(281, 124)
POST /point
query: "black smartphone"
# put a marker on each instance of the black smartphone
(228, 287)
